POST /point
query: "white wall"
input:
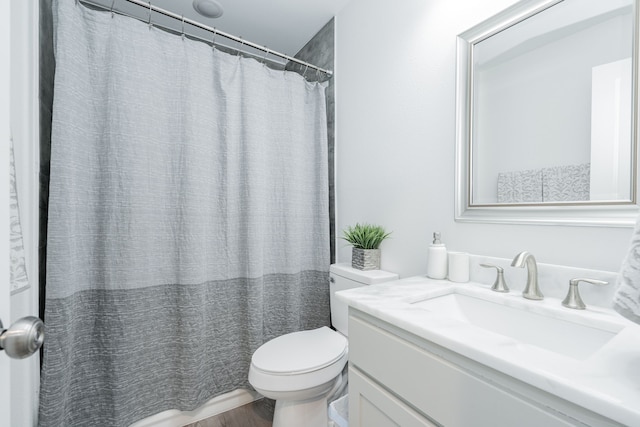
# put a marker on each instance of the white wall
(395, 89)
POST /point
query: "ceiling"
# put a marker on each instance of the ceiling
(281, 25)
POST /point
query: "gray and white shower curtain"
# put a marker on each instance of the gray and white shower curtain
(188, 219)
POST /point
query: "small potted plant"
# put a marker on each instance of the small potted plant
(366, 239)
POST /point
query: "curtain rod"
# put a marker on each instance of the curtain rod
(149, 6)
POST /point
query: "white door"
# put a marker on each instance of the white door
(5, 22)
(19, 379)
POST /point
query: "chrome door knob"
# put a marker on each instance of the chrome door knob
(23, 338)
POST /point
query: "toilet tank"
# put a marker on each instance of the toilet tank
(343, 276)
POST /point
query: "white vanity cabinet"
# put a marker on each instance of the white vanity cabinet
(399, 379)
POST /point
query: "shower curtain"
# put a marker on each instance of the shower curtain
(188, 219)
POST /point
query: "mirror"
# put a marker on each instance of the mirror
(546, 115)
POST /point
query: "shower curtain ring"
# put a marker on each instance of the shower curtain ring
(182, 27)
(264, 58)
(112, 4)
(150, 16)
(305, 71)
(213, 40)
(241, 46)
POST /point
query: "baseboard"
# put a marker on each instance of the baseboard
(215, 406)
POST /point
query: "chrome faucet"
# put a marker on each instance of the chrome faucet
(532, 290)
(573, 300)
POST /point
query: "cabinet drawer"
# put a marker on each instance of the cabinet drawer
(371, 405)
(441, 390)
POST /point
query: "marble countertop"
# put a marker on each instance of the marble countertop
(606, 382)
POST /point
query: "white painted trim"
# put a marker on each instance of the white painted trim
(25, 130)
(215, 406)
(5, 117)
(24, 101)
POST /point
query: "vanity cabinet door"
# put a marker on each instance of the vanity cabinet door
(438, 389)
(371, 405)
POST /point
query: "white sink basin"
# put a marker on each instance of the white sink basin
(518, 322)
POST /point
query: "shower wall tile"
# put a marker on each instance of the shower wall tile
(47, 60)
(47, 71)
(320, 51)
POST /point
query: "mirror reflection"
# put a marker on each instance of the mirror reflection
(551, 109)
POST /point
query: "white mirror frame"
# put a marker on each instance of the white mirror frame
(620, 214)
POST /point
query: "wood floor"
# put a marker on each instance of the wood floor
(255, 414)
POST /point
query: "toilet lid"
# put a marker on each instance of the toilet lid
(300, 352)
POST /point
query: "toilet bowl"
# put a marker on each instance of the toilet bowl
(300, 370)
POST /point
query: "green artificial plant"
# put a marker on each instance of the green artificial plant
(365, 236)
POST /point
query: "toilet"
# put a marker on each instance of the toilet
(302, 369)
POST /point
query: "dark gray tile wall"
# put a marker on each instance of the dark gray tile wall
(320, 52)
(47, 70)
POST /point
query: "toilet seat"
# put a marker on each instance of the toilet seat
(300, 352)
(298, 361)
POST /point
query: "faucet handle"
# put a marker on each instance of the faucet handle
(499, 285)
(573, 300)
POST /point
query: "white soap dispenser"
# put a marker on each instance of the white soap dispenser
(437, 259)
